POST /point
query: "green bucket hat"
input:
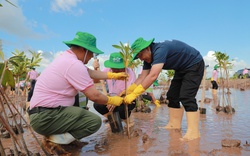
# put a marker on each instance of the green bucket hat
(115, 61)
(156, 83)
(139, 45)
(216, 66)
(86, 41)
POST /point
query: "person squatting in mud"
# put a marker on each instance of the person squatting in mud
(51, 111)
(115, 64)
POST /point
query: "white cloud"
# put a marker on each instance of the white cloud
(210, 60)
(66, 6)
(13, 21)
(47, 58)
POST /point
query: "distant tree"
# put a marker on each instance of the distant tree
(225, 65)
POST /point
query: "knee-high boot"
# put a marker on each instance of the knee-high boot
(192, 125)
(175, 118)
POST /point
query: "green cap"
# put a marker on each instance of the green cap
(86, 41)
(139, 45)
(115, 61)
(156, 83)
(216, 66)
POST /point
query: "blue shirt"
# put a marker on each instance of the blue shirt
(175, 55)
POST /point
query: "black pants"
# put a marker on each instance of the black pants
(147, 96)
(185, 86)
(32, 86)
(214, 85)
(102, 109)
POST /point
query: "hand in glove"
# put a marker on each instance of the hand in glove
(117, 76)
(114, 100)
(157, 103)
(130, 89)
(132, 96)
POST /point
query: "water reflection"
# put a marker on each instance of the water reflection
(214, 127)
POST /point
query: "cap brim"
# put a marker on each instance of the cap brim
(109, 64)
(137, 51)
(90, 48)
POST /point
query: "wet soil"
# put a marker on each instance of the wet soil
(148, 139)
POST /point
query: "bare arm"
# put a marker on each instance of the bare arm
(96, 96)
(141, 77)
(99, 75)
(149, 78)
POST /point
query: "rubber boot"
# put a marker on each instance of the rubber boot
(175, 118)
(157, 103)
(192, 125)
(65, 138)
(214, 91)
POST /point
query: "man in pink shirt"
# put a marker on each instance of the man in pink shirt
(116, 87)
(51, 111)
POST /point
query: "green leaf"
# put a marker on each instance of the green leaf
(8, 78)
(117, 47)
(1, 55)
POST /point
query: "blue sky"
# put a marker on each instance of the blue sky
(214, 25)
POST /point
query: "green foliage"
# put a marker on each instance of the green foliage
(170, 73)
(18, 66)
(1, 55)
(8, 78)
(126, 53)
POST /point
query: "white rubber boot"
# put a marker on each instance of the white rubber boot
(175, 118)
(65, 138)
(193, 132)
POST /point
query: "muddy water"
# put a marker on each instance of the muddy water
(214, 127)
(148, 139)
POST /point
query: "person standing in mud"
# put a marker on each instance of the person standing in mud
(214, 79)
(31, 76)
(189, 69)
(115, 64)
(245, 73)
(51, 111)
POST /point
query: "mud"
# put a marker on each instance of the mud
(148, 139)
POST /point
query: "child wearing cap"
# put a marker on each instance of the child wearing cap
(115, 64)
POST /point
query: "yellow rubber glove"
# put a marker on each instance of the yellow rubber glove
(131, 97)
(157, 103)
(114, 100)
(117, 76)
(130, 89)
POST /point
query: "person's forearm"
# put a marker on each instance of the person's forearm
(99, 98)
(94, 95)
(99, 75)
